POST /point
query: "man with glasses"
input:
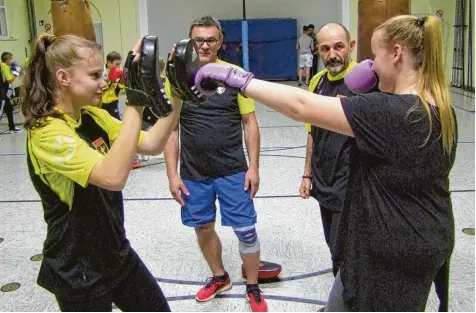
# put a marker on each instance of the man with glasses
(213, 165)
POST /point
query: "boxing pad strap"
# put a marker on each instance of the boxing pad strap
(134, 94)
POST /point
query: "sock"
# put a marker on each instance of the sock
(222, 277)
(250, 286)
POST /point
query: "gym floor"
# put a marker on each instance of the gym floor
(289, 228)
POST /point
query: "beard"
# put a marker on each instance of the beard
(336, 66)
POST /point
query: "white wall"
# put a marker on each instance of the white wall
(170, 19)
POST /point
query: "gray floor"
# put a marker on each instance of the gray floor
(289, 228)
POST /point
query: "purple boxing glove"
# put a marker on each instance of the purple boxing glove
(210, 76)
(361, 78)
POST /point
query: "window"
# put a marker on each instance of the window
(3, 19)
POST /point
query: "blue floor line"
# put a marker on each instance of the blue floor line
(463, 109)
(172, 199)
(264, 149)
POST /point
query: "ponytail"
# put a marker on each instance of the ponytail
(424, 40)
(37, 95)
(432, 80)
(37, 91)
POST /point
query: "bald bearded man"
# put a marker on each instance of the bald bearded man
(327, 154)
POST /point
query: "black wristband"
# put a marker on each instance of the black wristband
(307, 176)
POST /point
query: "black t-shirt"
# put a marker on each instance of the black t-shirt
(397, 227)
(330, 154)
(86, 252)
(211, 138)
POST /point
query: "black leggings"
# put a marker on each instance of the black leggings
(8, 109)
(138, 292)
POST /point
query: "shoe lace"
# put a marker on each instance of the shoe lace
(210, 282)
(256, 293)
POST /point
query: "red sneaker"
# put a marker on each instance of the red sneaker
(214, 286)
(256, 299)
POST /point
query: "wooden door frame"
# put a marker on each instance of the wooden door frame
(363, 44)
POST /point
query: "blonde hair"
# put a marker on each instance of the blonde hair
(37, 91)
(423, 38)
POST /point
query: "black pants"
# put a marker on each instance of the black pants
(330, 223)
(441, 286)
(138, 292)
(112, 108)
(8, 109)
(315, 63)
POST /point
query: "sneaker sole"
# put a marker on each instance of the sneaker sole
(223, 289)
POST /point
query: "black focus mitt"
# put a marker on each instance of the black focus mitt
(143, 84)
(181, 72)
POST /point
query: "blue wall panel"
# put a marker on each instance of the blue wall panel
(272, 47)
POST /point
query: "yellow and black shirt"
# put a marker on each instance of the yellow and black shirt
(331, 151)
(211, 135)
(6, 79)
(86, 251)
(112, 90)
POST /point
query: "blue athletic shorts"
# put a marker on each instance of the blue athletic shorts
(236, 207)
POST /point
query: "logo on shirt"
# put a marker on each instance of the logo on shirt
(221, 90)
(100, 145)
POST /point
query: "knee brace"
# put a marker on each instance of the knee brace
(248, 238)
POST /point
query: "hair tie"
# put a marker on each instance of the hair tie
(421, 20)
(49, 41)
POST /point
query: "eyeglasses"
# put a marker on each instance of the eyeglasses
(210, 42)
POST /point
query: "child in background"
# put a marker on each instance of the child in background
(113, 75)
(9, 71)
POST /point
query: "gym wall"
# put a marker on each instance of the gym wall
(423, 7)
(121, 25)
(18, 31)
(116, 22)
(170, 20)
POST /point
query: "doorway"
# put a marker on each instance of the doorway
(371, 14)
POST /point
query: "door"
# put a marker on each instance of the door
(371, 14)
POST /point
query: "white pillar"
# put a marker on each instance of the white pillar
(346, 13)
(143, 18)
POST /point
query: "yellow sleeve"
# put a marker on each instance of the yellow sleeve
(168, 91)
(245, 105)
(308, 128)
(110, 124)
(312, 85)
(58, 149)
(7, 74)
(121, 86)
